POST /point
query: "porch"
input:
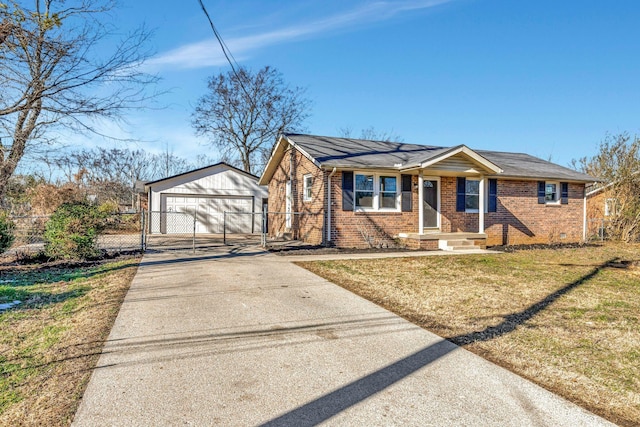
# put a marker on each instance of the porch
(444, 241)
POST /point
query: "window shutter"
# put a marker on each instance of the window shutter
(564, 193)
(461, 193)
(541, 192)
(493, 195)
(347, 191)
(406, 193)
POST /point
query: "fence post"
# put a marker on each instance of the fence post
(142, 231)
(224, 227)
(264, 228)
(194, 233)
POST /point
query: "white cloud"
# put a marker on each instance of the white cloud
(207, 53)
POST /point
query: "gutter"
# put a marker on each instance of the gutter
(329, 204)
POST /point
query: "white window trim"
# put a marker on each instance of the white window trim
(465, 195)
(558, 198)
(306, 188)
(376, 192)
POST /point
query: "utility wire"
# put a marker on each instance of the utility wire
(225, 49)
(234, 65)
(232, 62)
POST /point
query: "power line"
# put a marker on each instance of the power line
(225, 49)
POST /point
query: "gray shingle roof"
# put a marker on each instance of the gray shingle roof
(525, 166)
(359, 153)
(349, 152)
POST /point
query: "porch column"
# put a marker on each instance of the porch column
(481, 204)
(420, 204)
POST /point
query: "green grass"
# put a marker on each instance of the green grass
(50, 342)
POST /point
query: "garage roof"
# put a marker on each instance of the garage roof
(224, 164)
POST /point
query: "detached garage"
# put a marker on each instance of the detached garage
(206, 194)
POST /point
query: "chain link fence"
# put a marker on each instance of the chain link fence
(597, 229)
(120, 232)
(123, 232)
(281, 229)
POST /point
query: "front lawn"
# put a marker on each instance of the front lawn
(51, 342)
(567, 319)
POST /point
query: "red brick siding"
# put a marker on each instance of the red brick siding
(360, 229)
(519, 218)
(307, 225)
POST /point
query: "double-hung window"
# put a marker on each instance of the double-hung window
(551, 192)
(388, 192)
(376, 192)
(364, 191)
(307, 184)
(472, 195)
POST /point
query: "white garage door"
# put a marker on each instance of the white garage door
(209, 212)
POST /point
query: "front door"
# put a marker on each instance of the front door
(430, 204)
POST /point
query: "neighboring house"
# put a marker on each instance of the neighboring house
(384, 193)
(206, 193)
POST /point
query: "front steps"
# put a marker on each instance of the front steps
(453, 241)
(459, 244)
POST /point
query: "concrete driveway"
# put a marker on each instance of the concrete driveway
(235, 336)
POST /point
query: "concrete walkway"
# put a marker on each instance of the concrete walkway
(238, 337)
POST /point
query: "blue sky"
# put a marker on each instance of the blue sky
(549, 78)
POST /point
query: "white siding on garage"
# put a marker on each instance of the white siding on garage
(210, 214)
(207, 193)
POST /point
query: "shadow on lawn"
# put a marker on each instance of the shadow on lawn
(331, 404)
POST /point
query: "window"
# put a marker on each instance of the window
(472, 195)
(376, 192)
(551, 192)
(307, 184)
(364, 191)
(388, 191)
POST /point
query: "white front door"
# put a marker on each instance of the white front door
(288, 206)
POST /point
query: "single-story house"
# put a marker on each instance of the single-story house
(360, 193)
(206, 194)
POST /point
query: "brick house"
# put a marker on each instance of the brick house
(359, 193)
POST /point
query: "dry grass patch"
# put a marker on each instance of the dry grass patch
(51, 342)
(567, 319)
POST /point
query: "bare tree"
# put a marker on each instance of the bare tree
(372, 134)
(618, 164)
(111, 173)
(242, 114)
(53, 73)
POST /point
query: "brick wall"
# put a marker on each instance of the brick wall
(364, 229)
(307, 221)
(519, 218)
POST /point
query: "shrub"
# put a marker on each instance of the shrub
(7, 228)
(72, 231)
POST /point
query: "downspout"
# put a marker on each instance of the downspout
(584, 216)
(329, 204)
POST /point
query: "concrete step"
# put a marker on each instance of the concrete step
(458, 245)
(460, 242)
